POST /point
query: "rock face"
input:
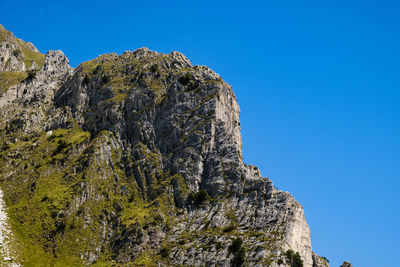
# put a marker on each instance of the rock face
(137, 159)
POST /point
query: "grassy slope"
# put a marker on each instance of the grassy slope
(45, 183)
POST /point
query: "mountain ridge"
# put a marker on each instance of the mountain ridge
(136, 159)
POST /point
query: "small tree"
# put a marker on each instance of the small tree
(17, 52)
(31, 74)
(186, 78)
(154, 68)
(293, 258)
(199, 197)
(164, 252)
(239, 253)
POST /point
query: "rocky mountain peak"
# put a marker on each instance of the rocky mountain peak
(137, 159)
(56, 63)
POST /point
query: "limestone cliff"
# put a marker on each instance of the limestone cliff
(135, 159)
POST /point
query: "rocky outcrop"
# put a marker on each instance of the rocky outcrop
(319, 261)
(42, 84)
(346, 264)
(17, 55)
(137, 158)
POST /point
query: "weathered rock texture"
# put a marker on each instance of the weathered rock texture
(137, 158)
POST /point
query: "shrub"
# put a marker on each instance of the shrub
(293, 259)
(105, 79)
(61, 145)
(235, 246)
(186, 78)
(6, 147)
(239, 258)
(158, 218)
(85, 81)
(238, 252)
(325, 259)
(297, 261)
(189, 81)
(31, 74)
(15, 125)
(199, 197)
(17, 52)
(229, 228)
(154, 68)
(164, 252)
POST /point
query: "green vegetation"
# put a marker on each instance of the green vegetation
(119, 73)
(63, 179)
(235, 246)
(146, 259)
(229, 228)
(325, 259)
(31, 73)
(4, 34)
(293, 258)
(104, 67)
(186, 78)
(30, 55)
(23, 52)
(17, 53)
(239, 253)
(189, 81)
(198, 198)
(154, 68)
(9, 78)
(24, 49)
(40, 193)
(164, 252)
(140, 212)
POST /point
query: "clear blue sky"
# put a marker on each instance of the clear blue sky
(318, 83)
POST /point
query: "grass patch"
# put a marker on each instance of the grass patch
(30, 55)
(4, 34)
(146, 259)
(39, 194)
(11, 78)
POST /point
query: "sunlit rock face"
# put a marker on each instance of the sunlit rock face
(137, 159)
